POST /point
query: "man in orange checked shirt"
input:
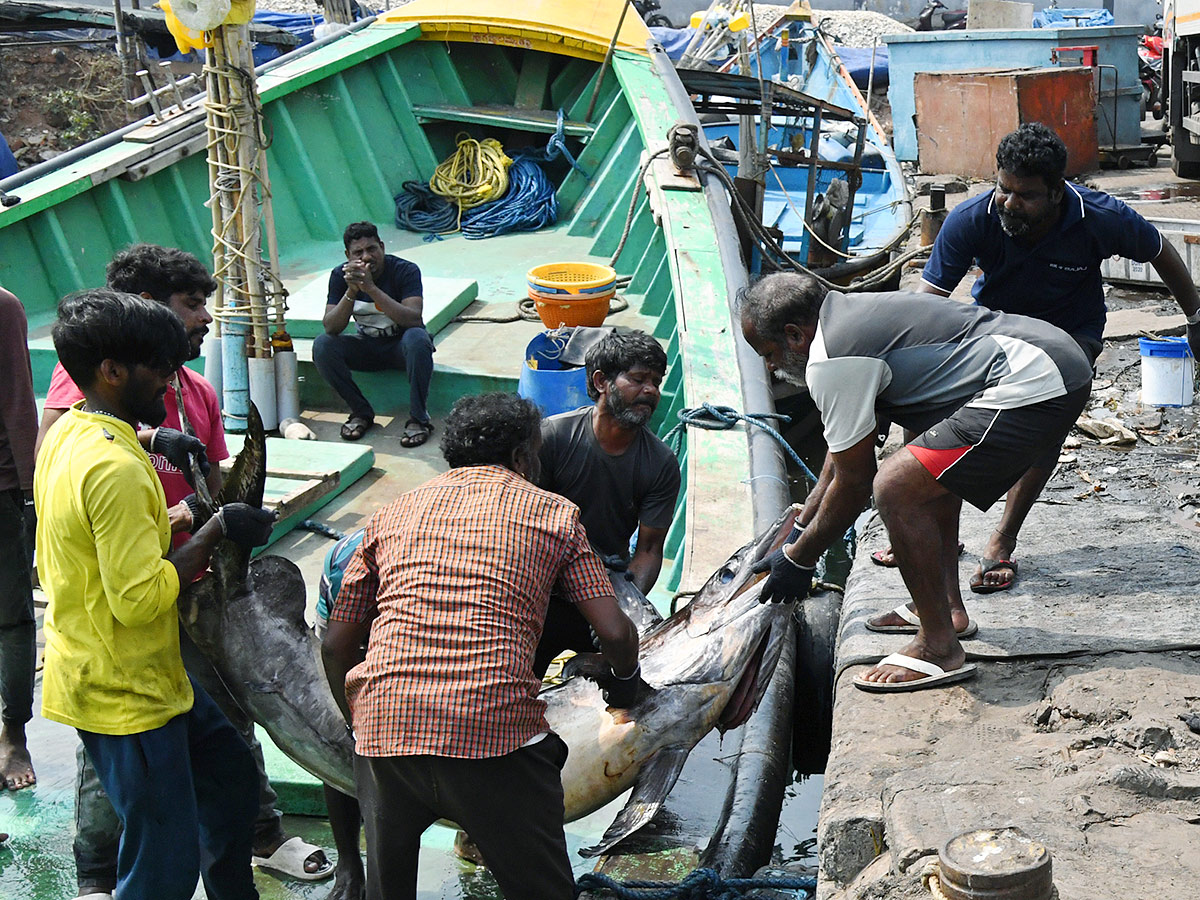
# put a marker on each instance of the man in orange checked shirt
(452, 580)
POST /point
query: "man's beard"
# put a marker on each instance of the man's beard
(196, 342)
(792, 368)
(152, 412)
(629, 415)
(1014, 226)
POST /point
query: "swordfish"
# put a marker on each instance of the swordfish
(707, 666)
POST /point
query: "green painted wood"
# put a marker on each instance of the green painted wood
(430, 77)
(487, 71)
(350, 461)
(338, 56)
(444, 298)
(613, 122)
(532, 81)
(570, 81)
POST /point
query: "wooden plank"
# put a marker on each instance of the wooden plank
(531, 83)
(301, 495)
(502, 117)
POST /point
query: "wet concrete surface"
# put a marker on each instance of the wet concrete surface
(1076, 735)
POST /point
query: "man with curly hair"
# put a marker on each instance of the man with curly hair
(452, 581)
(1039, 241)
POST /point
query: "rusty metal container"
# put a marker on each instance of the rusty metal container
(995, 864)
(961, 116)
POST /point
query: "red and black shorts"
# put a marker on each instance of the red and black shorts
(978, 454)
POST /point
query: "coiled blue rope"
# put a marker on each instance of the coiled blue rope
(420, 209)
(529, 204)
(700, 884)
(723, 418)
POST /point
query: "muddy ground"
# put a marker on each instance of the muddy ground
(55, 98)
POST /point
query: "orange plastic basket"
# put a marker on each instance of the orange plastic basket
(571, 310)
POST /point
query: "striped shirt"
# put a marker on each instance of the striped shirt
(458, 573)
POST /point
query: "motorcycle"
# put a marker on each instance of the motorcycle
(1150, 58)
(649, 11)
(951, 20)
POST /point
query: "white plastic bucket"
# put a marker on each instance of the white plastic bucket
(1167, 371)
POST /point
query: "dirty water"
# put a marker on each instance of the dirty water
(1160, 193)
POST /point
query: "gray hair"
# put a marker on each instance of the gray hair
(774, 301)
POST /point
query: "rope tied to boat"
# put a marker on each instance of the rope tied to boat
(700, 884)
(723, 418)
(557, 146)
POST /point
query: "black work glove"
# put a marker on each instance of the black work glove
(621, 693)
(176, 447)
(193, 506)
(789, 581)
(246, 525)
(1193, 339)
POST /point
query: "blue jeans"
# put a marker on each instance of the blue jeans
(185, 795)
(335, 355)
(97, 828)
(18, 633)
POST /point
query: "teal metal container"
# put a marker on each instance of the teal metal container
(943, 51)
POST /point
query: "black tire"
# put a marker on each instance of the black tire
(657, 21)
(1185, 168)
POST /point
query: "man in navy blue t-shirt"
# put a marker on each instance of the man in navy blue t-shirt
(383, 294)
(1040, 241)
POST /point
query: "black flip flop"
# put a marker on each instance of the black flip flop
(355, 427)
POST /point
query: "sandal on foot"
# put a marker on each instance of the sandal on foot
(979, 586)
(913, 624)
(355, 427)
(880, 557)
(416, 433)
(934, 674)
(290, 858)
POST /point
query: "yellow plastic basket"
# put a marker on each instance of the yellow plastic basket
(571, 278)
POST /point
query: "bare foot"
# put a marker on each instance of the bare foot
(949, 658)
(958, 615)
(16, 766)
(349, 883)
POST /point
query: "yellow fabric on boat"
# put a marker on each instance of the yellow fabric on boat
(186, 39)
(580, 28)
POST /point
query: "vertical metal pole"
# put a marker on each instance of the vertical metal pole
(128, 79)
(812, 175)
(612, 45)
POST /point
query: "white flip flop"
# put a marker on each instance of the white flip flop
(914, 622)
(289, 859)
(934, 674)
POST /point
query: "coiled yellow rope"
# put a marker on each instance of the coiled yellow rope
(474, 174)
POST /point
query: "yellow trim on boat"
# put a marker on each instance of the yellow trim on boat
(580, 28)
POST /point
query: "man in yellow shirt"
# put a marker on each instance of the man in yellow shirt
(179, 776)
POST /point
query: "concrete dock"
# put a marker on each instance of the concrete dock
(1075, 728)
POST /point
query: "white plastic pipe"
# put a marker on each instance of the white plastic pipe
(287, 389)
(212, 363)
(262, 391)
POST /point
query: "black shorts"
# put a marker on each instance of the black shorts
(978, 454)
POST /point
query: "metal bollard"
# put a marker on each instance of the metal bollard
(992, 864)
(932, 218)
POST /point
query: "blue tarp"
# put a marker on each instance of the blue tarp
(858, 64)
(8, 162)
(1056, 18)
(673, 40)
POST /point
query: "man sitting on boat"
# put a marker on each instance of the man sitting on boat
(1040, 240)
(383, 293)
(614, 468)
(987, 393)
(166, 755)
(452, 581)
(179, 281)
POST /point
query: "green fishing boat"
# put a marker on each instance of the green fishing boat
(351, 119)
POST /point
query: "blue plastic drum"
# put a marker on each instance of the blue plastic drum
(547, 381)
